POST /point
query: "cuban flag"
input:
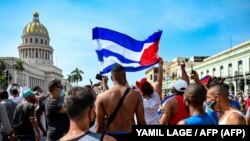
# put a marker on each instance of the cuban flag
(113, 47)
(205, 80)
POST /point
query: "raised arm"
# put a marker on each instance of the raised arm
(184, 73)
(158, 86)
(194, 75)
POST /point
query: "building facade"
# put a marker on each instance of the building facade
(232, 64)
(37, 54)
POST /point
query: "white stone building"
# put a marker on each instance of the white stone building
(37, 54)
(232, 64)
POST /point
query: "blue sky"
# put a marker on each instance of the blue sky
(190, 27)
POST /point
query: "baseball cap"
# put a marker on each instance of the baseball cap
(28, 92)
(180, 85)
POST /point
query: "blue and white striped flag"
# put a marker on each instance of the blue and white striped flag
(113, 47)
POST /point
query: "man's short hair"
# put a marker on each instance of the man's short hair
(117, 68)
(197, 93)
(4, 94)
(78, 100)
(36, 88)
(119, 74)
(14, 92)
(54, 83)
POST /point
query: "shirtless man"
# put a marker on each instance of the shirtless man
(217, 97)
(106, 102)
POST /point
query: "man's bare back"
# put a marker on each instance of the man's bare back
(106, 103)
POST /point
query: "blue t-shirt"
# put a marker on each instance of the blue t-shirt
(212, 114)
(203, 119)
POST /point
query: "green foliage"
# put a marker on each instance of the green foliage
(75, 76)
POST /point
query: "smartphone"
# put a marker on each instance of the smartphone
(98, 76)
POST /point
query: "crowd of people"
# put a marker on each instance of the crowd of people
(86, 113)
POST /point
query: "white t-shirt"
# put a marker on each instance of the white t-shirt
(224, 120)
(17, 99)
(151, 107)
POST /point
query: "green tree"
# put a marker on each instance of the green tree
(70, 79)
(77, 75)
(19, 67)
(3, 67)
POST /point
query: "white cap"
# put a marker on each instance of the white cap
(180, 85)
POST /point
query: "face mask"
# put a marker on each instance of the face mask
(62, 94)
(211, 104)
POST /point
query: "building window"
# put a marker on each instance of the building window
(221, 71)
(240, 67)
(214, 71)
(41, 41)
(155, 78)
(201, 74)
(45, 42)
(151, 77)
(36, 40)
(230, 70)
(26, 40)
(30, 40)
(207, 72)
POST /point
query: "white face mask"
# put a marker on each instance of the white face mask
(62, 93)
(211, 105)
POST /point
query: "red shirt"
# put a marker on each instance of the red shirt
(181, 112)
(247, 103)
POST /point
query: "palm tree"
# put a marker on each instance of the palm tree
(19, 67)
(77, 75)
(70, 79)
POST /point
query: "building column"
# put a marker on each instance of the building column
(43, 54)
(24, 52)
(245, 85)
(235, 87)
(51, 57)
(29, 52)
(39, 52)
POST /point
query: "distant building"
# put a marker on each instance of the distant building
(172, 71)
(37, 54)
(232, 64)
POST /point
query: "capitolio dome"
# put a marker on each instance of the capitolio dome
(35, 27)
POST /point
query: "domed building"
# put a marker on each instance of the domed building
(35, 48)
(37, 54)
